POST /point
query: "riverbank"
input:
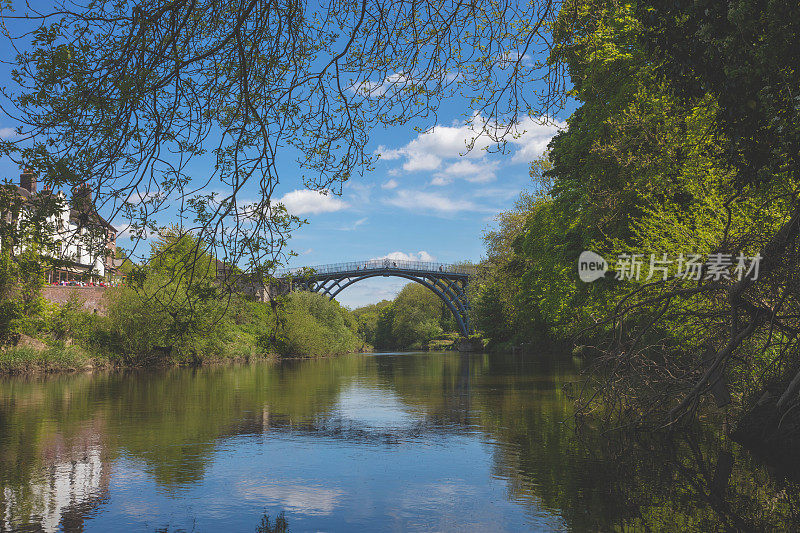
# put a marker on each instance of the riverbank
(138, 332)
(39, 358)
(34, 356)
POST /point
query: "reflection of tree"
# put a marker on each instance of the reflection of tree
(697, 481)
(171, 421)
(280, 525)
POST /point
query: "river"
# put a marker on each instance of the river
(375, 442)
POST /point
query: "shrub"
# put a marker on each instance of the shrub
(314, 325)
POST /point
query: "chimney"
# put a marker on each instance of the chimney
(28, 180)
(82, 197)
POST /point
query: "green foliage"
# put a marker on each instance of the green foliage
(639, 170)
(368, 317)
(313, 325)
(675, 148)
(22, 307)
(384, 338)
(411, 321)
(175, 309)
(744, 54)
(418, 316)
(498, 309)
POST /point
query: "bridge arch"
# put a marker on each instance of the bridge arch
(448, 282)
(450, 299)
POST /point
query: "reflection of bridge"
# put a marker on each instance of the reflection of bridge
(448, 282)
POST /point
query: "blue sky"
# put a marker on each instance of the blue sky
(426, 199)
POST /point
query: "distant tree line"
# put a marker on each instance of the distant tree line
(417, 319)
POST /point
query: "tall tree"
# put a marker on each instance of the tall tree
(125, 95)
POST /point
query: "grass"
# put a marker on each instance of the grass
(25, 359)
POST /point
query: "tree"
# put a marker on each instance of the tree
(26, 254)
(368, 317)
(497, 308)
(647, 166)
(124, 96)
(417, 317)
(742, 57)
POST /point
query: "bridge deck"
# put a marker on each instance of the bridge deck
(357, 268)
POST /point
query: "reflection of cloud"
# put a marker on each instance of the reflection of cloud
(374, 407)
(294, 497)
(438, 494)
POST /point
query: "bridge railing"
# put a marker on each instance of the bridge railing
(379, 264)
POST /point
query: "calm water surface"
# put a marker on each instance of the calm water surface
(385, 442)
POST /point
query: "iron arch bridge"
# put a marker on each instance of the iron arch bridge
(448, 282)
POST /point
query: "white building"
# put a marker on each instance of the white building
(83, 242)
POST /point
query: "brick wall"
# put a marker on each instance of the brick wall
(91, 298)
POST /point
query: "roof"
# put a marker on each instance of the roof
(74, 213)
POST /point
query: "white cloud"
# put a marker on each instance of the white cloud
(430, 201)
(354, 225)
(138, 197)
(389, 154)
(509, 58)
(421, 161)
(8, 133)
(475, 172)
(533, 136)
(358, 193)
(374, 89)
(391, 184)
(503, 194)
(123, 231)
(432, 149)
(304, 201)
(422, 255)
